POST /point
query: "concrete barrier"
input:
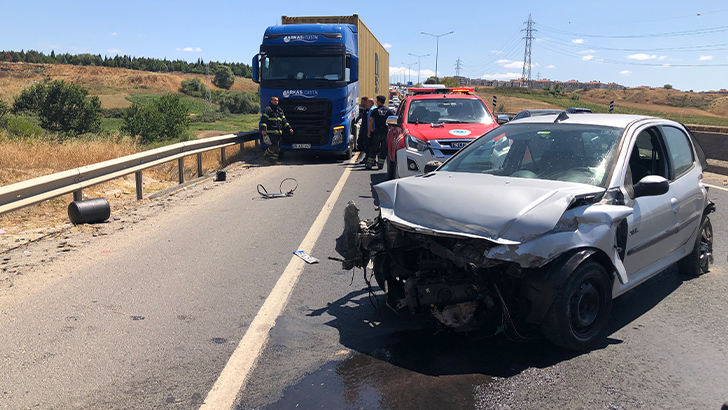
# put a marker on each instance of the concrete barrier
(714, 141)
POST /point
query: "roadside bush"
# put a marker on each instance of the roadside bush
(61, 106)
(224, 77)
(209, 116)
(167, 118)
(4, 108)
(574, 97)
(194, 87)
(20, 126)
(239, 102)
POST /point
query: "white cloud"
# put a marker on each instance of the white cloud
(625, 72)
(510, 64)
(587, 51)
(387, 45)
(587, 58)
(113, 51)
(551, 66)
(504, 76)
(706, 58)
(191, 49)
(661, 58)
(496, 52)
(113, 34)
(578, 41)
(641, 56)
(667, 65)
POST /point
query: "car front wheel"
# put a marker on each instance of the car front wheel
(579, 316)
(698, 261)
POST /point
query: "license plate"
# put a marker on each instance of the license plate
(301, 146)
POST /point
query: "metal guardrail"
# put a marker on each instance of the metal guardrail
(39, 189)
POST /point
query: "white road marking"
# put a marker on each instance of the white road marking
(716, 187)
(233, 376)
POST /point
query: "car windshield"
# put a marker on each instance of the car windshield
(560, 152)
(449, 110)
(303, 68)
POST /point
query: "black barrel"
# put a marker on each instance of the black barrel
(89, 211)
(220, 176)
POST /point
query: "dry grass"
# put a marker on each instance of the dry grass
(114, 101)
(26, 159)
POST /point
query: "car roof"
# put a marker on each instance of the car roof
(544, 110)
(443, 96)
(608, 120)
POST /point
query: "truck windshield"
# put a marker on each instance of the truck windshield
(449, 110)
(303, 68)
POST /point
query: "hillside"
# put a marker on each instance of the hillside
(112, 85)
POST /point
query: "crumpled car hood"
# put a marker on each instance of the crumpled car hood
(504, 210)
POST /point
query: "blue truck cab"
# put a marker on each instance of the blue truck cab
(313, 70)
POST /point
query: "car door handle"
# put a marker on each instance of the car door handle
(674, 205)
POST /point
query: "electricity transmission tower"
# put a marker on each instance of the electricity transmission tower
(526, 76)
(458, 66)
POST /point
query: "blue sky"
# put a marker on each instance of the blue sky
(575, 40)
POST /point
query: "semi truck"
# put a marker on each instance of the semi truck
(319, 68)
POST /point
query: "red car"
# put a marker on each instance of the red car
(433, 124)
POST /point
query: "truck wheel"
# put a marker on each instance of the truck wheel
(698, 261)
(350, 152)
(391, 168)
(281, 154)
(579, 316)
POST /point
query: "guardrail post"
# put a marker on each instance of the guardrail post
(138, 178)
(78, 195)
(222, 156)
(199, 165)
(181, 169)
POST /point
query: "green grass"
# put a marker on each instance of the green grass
(111, 124)
(231, 123)
(565, 102)
(196, 105)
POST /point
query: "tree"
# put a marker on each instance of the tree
(239, 102)
(194, 87)
(450, 82)
(224, 77)
(431, 80)
(668, 86)
(167, 118)
(61, 106)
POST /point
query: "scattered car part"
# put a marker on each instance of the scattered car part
(89, 211)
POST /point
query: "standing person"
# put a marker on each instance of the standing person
(272, 124)
(363, 140)
(378, 134)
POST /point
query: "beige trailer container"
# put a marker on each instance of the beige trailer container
(373, 57)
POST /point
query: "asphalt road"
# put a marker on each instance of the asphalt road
(148, 316)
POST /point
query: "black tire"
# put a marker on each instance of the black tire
(391, 168)
(698, 261)
(350, 152)
(281, 154)
(578, 318)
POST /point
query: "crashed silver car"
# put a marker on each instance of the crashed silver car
(539, 223)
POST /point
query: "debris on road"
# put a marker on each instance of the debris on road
(306, 257)
(264, 193)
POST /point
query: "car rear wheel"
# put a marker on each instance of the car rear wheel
(698, 261)
(579, 316)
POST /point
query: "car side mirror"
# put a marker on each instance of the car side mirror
(431, 166)
(502, 119)
(392, 121)
(651, 185)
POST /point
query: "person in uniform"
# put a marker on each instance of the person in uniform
(366, 104)
(272, 124)
(378, 134)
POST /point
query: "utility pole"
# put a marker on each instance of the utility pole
(458, 66)
(419, 66)
(408, 69)
(526, 75)
(437, 50)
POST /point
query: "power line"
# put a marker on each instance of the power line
(710, 30)
(706, 47)
(610, 61)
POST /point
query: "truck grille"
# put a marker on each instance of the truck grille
(310, 120)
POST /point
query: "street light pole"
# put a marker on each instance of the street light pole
(437, 53)
(419, 66)
(409, 65)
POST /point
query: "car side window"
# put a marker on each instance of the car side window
(681, 154)
(650, 154)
